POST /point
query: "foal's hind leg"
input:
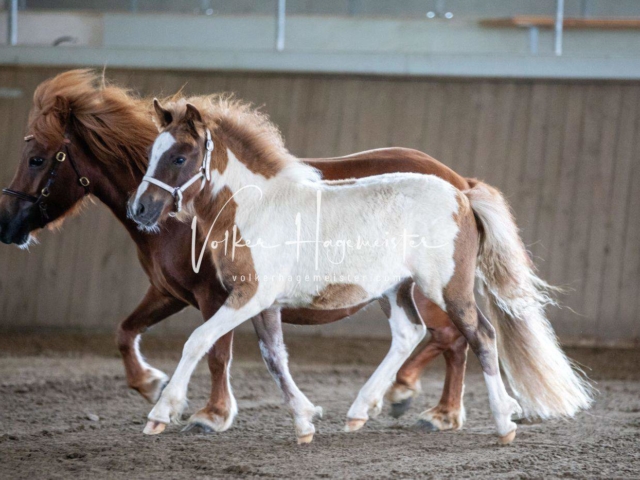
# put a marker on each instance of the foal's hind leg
(407, 330)
(445, 338)
(141, 376)
(268, 326)
(461, 306)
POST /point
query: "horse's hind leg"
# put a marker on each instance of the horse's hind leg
(407, 330)
(141, 376)
(274, 353)
(445, 338)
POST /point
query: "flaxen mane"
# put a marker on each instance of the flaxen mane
(115, 123)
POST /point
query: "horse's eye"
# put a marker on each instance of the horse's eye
(36, 161)
(179, 160)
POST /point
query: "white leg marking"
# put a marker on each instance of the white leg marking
(155, 379)
(274, 353)
(163, 143)
(502, 405)
(405, 336)
(174, 397)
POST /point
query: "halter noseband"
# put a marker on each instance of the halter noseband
(203, 173)
(40, 200)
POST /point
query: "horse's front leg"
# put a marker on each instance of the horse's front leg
(222, 408)
(174, 397)
(154, 307)
(268, 326)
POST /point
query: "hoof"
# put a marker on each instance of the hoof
(197, 428)
(154, 428)
(425, 426)
(354, 424)
(508, 438)
(305, 439)
(400, 408)
(206, 422)
(439, 419)
(152, 391)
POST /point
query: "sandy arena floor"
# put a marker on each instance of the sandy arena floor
(52, 386)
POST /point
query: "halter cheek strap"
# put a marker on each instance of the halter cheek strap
(204, 173)
(40, 200)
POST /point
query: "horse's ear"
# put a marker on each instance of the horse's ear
(61, 109)
(164, 116)
(193, 114)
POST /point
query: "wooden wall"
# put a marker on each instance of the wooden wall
(566, 154)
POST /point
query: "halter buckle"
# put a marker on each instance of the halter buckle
(61, 156)
(84, 181)
(45, 192)
(209, 145)
(177, 196)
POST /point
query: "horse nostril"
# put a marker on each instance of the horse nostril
(140, 209)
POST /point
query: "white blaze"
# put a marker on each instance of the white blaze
(163, 143)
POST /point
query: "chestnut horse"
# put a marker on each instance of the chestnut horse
(104, 133)
(223, 165)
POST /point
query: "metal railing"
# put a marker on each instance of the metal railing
(426, 9)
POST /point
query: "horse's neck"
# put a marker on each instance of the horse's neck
(113, 187)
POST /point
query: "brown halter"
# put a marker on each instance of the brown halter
(40, 200)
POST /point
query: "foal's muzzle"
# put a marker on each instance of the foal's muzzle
(146, 211)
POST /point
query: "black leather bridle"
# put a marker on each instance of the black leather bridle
(41, 200)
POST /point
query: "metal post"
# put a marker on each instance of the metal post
(12, 23)
(281, 20)
(533, 40)
(559, 24)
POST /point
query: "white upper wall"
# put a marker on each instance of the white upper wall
(317, 43)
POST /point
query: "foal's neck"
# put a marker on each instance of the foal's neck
(240, 175)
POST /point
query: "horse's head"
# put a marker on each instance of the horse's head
(181, 159)
(45, 188)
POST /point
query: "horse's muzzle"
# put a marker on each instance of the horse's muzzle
(14, 230)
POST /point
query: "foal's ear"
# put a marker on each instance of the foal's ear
(164, 116)
(192, 115)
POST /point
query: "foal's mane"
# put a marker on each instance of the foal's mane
(116, 124)
(241, 122)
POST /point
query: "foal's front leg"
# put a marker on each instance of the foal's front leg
(174, 397)
(268, 326)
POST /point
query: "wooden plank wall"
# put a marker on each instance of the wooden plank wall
(566, 154)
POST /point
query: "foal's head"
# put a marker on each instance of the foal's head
(181, 159)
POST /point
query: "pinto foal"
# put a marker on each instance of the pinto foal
(226, 165)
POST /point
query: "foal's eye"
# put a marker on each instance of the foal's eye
(36, 161)
(179, 160)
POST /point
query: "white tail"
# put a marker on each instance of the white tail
(545, 381)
